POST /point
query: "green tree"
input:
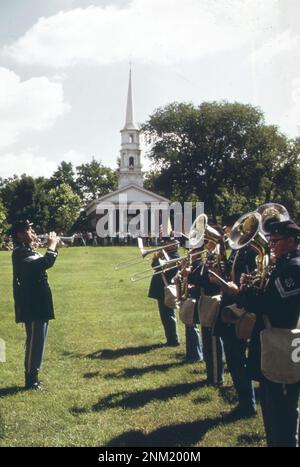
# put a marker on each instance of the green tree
(24, 197)
(95, 180)
(3, 220)
(64, 174)
(64, 206)
(215, 151)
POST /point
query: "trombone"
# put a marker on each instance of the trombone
(144, 253)
(199, 231)
(165, 266)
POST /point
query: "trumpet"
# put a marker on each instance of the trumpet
(42, 240)
(66, 240)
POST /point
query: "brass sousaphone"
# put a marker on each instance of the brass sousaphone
(271, 212)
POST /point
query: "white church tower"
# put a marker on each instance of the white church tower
(130, 171)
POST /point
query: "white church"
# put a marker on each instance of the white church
(130, 182)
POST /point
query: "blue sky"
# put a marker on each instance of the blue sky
(64, 70)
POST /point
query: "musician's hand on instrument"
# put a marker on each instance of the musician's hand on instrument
(231, 289)
(53, 240)
(185, 272)
(213, 279)
(245, 280)
(159, 254)
(272, 258)
(210, 264)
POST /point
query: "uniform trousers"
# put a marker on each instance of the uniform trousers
(36, 336)
(169, 322)
(193, 344)
(213, 356)
(279, 404)
(236, 359)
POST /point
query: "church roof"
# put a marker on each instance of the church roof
(134, 193)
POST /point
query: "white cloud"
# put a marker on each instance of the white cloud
(34, 104)
(159, 31)
(76, 157)
(30, 162)
(291, 119)
(27, 161)
(282, 43)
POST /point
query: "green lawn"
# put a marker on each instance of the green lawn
(110, 383)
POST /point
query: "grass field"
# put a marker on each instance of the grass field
(110, 381)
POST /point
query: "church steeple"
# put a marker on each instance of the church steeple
(130, 167)
(129, 123)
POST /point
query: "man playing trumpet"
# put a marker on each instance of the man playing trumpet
(32, 295)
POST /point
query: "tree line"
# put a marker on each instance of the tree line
(56, 203)
(221, 153)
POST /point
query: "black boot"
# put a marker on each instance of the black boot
(32, 381)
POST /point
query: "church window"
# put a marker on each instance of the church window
(131, 138)
(131, 161)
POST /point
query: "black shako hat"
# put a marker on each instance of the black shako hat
(20, 226)
(287, 229)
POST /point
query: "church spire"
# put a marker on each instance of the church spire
(130, 171)
(129, 123)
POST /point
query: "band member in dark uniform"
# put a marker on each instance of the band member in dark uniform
(157, 288)
(239, 262)
(212, 348)
(279, 301)
(189, 289)
(32, 295)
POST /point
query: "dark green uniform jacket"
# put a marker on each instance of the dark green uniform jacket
(280, 301)
(32, 294)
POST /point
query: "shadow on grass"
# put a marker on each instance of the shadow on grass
(202, 399)
(183, 434)
(78, 410)
(11, 391)
(138, 399)
(110, 354)
(246, 440)
(92, 374)
(228, 394)
(136, 372)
